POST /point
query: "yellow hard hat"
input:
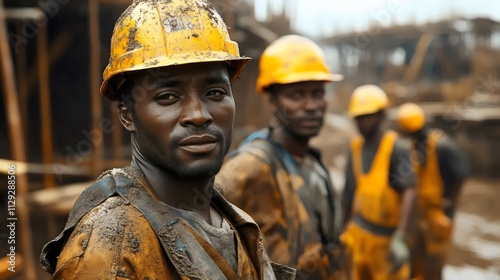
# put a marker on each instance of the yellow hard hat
(158, 33)
(410, 117)
(367, 99)
(292, 59)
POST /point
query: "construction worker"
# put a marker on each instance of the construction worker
(171, 68)
(379, 192)
(275, 175)
(441, 170)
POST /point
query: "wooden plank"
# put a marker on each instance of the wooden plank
(45, 106)
(40, 168)
(95, 78)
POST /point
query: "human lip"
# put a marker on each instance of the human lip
(199, 143)
(311, 121)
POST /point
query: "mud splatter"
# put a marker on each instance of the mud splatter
(133, 243)
(112, 225)
(84, 243)
(122, 273)
(211, 12)
(132, 42)
(152, 62)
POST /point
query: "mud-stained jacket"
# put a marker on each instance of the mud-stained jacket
(262, 178)
(117, 229)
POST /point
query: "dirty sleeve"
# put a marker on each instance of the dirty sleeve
(453, 164)
(113, 241)
(401, 172)
(350, 183)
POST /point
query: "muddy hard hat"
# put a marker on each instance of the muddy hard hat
(159, 33)
(367, 99)
(293, 59)
(410, 117)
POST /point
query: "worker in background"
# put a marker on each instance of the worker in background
(441, 170)
(275, 175)
(379, 192)
(171, 69)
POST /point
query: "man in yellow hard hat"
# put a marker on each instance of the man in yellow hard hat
(441, 170)
(276, 176)
(379, 192)
(171, 68)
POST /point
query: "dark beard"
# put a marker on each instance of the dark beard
(175, 167)
(199, 174)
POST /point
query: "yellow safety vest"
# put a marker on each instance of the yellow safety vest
(431, 186)
(374, 199)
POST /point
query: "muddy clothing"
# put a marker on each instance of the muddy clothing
(440, 167)
(119, 230)
(376, 207)
(293, 203)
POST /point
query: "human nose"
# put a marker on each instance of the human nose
(195, 112)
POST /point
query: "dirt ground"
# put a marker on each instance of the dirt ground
(476, 239)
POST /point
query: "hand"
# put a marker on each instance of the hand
(336, 254)
(398, 251)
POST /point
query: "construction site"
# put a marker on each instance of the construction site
(57, 133)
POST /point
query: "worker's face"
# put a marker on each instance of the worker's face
(299, 107)
(183, 118)
(369, 125)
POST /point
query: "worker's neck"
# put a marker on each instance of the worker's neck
(374, 137)
(296, 146)
(182, 193)
(421, 135)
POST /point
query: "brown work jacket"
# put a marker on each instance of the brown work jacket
(117, 229)
(255, 179)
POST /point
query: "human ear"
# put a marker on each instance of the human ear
(125, 116)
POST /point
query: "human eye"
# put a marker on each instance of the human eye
(216, 94)
(319, 94)
(296, 95)
(166, 98)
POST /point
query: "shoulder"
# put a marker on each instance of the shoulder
(450, 158)
(109, 221)
(260, 148)
(402, 144)
(109, 211)
(105, 238)
(253, 158)
(446, 145)
(401, 149)
(241, 173)
(250, 171)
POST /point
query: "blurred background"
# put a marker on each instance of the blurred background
(60, 133)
